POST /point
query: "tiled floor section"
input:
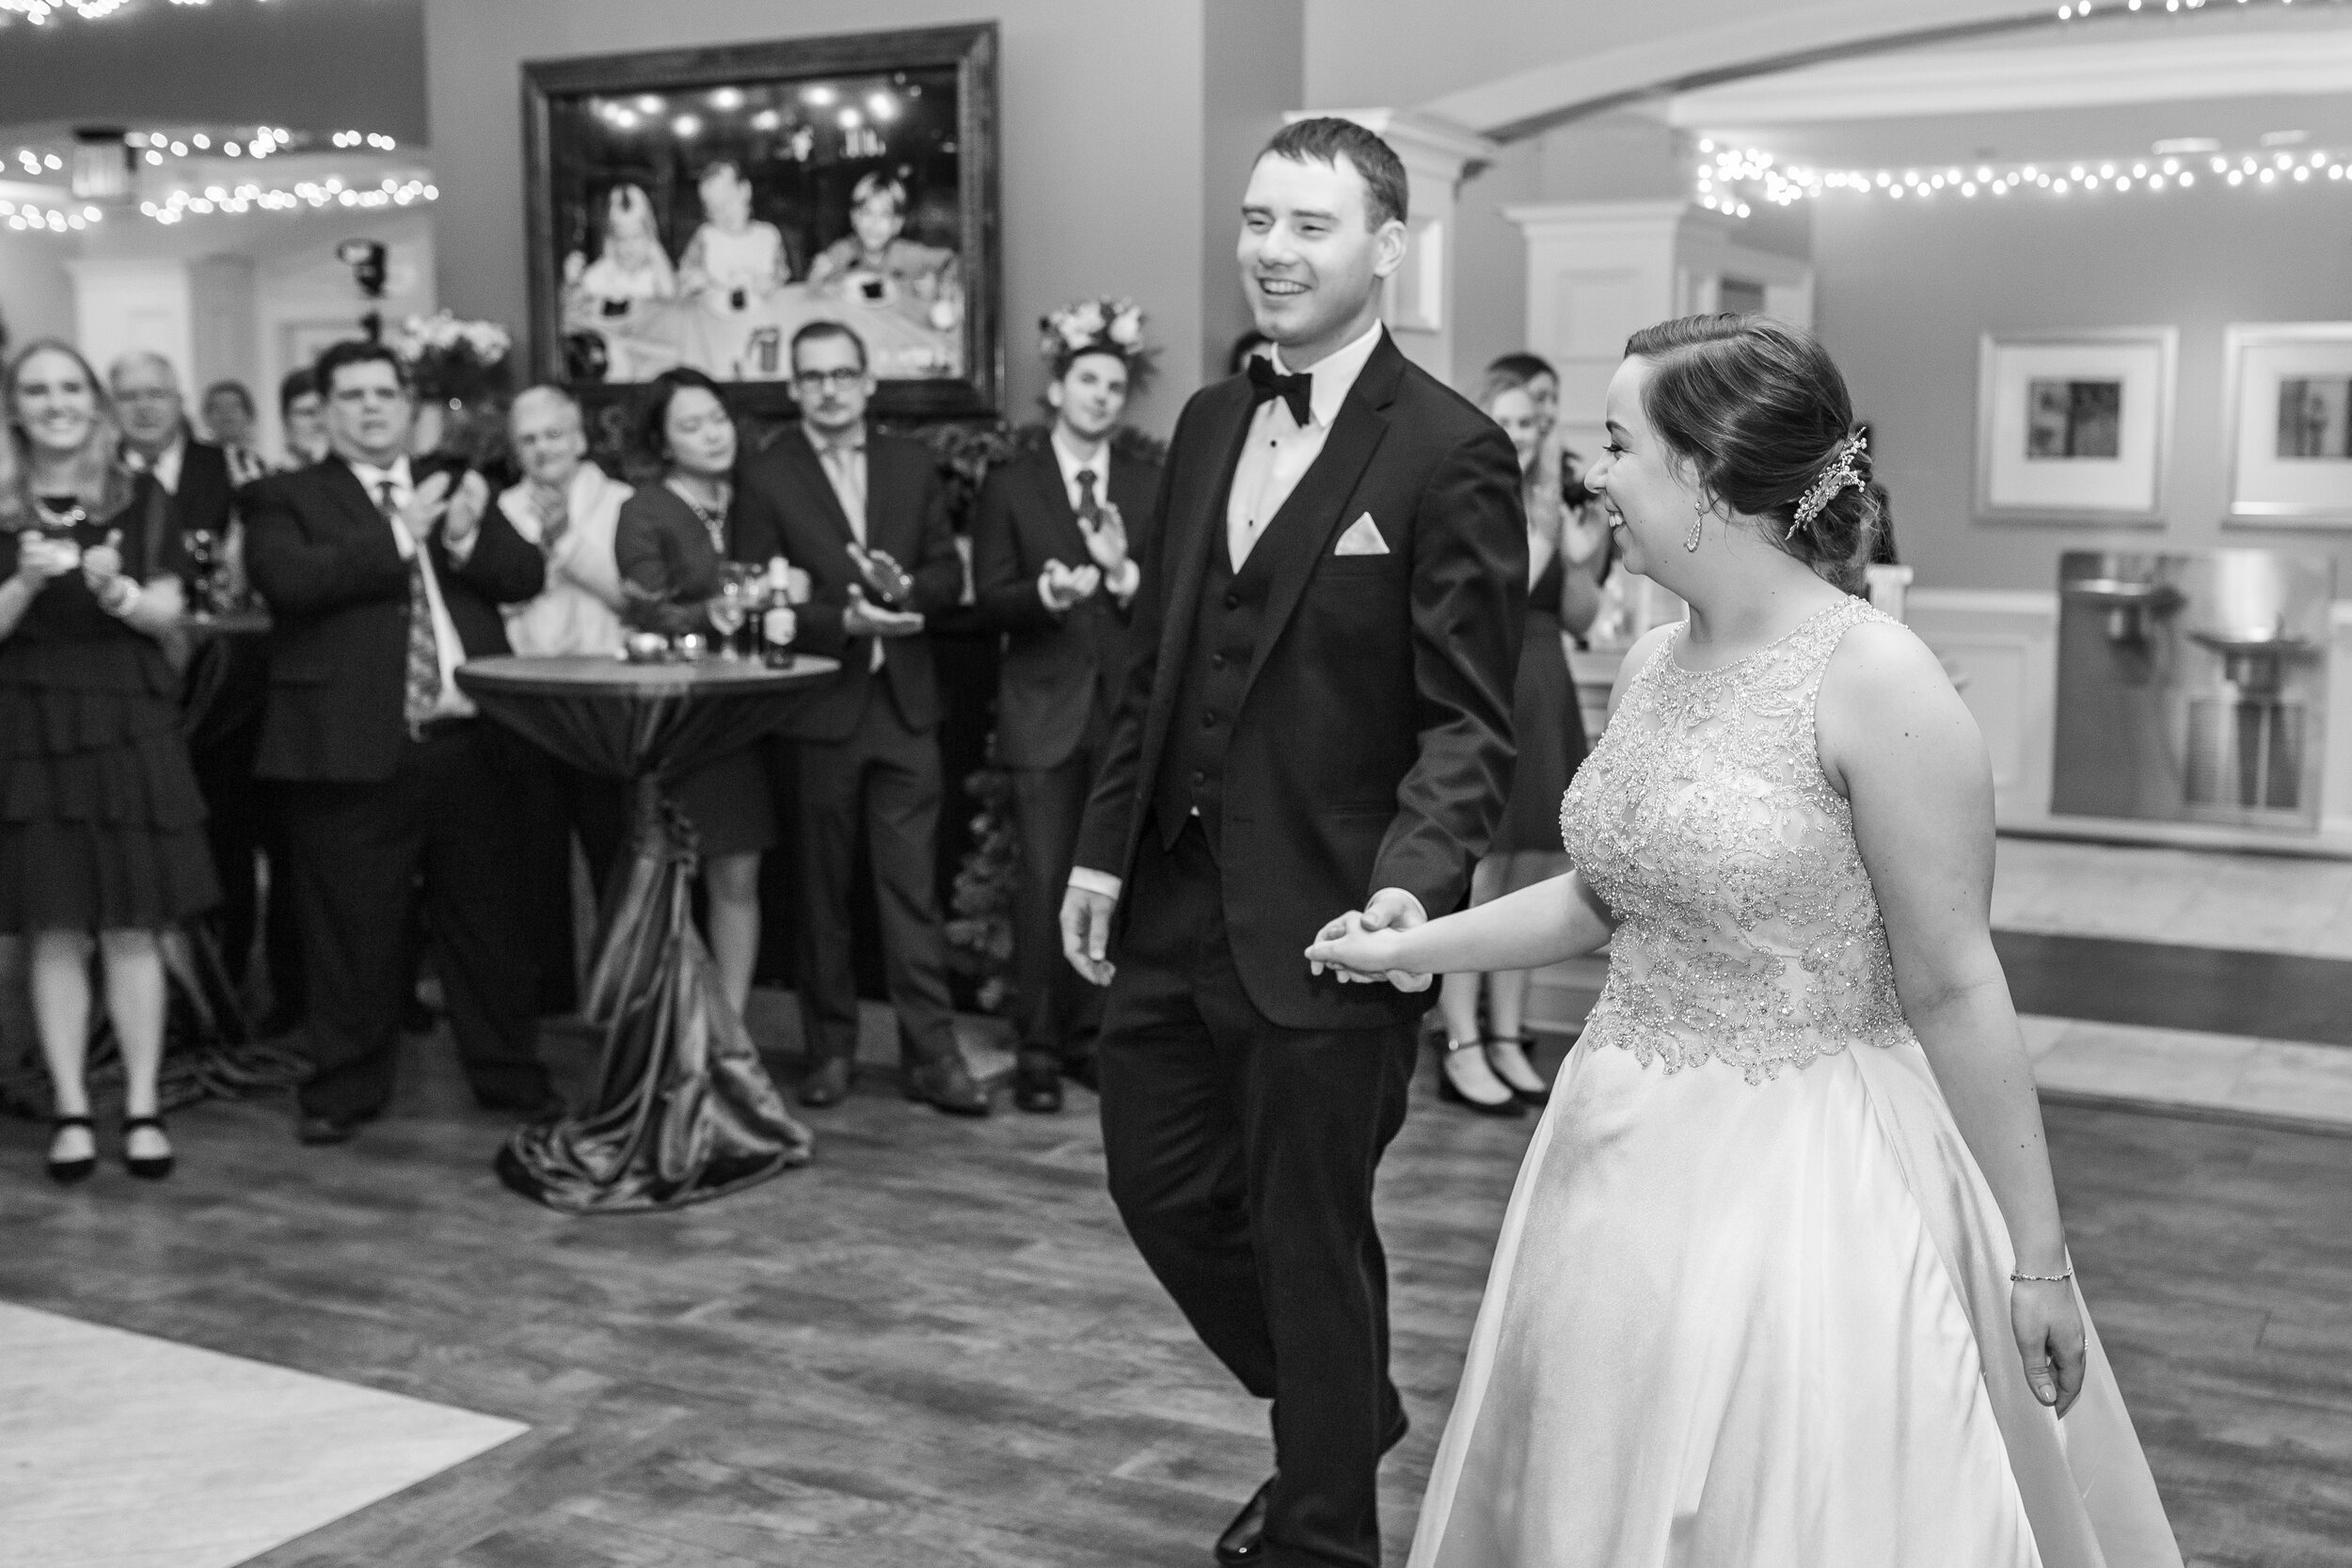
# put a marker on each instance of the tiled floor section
(119, 1451)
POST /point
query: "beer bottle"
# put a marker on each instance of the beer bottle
(777, 622)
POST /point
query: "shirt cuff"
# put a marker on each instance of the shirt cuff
(1086, 879)
(1420, 916)
(1129, 578)
(1044, 597)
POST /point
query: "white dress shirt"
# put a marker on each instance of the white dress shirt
(843, 458)
(452, 703)
(1100, 467)
(164, 467)
(1274, 458)
(576, 612)
(1280, 450)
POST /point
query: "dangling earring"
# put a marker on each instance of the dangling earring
(1698, 523)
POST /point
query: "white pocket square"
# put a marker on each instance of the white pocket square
(1362, 538)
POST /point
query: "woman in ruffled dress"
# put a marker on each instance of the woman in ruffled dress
(101, 828)
(1784, 1280)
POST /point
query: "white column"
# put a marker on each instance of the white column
(121, 302)
(1437, 155)
(1599, 271)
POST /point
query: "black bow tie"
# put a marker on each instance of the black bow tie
(1296, 390)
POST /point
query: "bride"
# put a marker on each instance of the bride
(1783, 1282)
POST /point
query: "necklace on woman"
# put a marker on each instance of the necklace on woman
(714, 518)
(62, 512)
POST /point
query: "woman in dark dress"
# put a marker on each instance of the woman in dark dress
(673, 538)
(1488, 1072)
(102, 829)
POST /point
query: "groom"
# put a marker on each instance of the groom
(1316, 718)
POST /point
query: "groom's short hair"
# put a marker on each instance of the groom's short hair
(1326, 139)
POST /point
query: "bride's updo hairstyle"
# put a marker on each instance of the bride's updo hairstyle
(1759, 410)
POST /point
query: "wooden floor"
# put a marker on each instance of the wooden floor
(934, 1346)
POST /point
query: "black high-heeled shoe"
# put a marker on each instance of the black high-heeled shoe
(65, 1173)
(1538, 1099)
(1454, 1096)
(148, 1168)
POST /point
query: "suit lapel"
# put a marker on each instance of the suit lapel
(358, 507)
(1302, 533)
(1061, 523)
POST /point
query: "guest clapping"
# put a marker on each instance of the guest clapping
(102, 834)
(672, 543)
(382, 579)
(1056, 554)
(570, 509)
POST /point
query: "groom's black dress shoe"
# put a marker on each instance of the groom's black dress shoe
(1244, 1541)
(1037, 1087)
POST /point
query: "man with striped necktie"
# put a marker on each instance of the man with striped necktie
(382, 578)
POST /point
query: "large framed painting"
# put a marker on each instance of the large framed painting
(2074, 427)
(2290, 424)
(699, 206)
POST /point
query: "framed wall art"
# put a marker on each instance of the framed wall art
(2074, 427)
(2290, 423)
(697, 207)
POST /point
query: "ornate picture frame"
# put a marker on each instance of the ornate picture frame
(2074, 427)
(2289, 425)
(697, 206)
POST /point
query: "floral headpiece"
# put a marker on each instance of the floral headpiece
(1097, 327)
(1834, 478)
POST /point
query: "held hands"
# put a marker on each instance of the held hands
(861, 619)
(1061, 587)
(2049, 1328)
(1365, 946)
(1086, 933)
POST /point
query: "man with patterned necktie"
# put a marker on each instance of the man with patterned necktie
(381, 580)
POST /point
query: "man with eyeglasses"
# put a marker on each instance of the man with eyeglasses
(866, 516)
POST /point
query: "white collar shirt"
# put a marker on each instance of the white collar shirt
(1279, 450)
(579, 611)
(452, 703)
(164, 467)
(1073, 465)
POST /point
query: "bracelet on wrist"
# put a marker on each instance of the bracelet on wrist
(2042, 1278)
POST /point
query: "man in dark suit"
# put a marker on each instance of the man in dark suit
(1054, 558)
(202, 485)
(1316, 718)
(866, 518)
(381, 580)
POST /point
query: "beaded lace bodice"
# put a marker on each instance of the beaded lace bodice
(1748, 931)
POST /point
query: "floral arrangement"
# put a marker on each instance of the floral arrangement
(1111, 326)
(452, 360)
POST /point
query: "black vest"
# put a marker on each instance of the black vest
(1224, 639)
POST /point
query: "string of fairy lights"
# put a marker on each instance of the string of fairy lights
(1728, 177)
(199, 155)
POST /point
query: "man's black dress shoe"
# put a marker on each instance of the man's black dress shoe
(1244, 1541)
(827, 1084)
(316, 1131)
(1037, 1087)
(945, 1084)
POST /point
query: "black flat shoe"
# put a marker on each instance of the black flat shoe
(1534, 1098)
(1244, 1541)
(827, 1084)
(146, 1167)
(65, 1173)
(1037, 1088)
(1504, 1108)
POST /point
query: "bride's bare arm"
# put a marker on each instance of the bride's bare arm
(1899, 743)
(1560, 918)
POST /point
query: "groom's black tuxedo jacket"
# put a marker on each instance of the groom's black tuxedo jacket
(1371, 746)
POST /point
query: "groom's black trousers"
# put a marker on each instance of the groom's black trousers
(1240, 1157)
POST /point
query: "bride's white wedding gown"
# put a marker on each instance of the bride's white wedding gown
(1750, 1305)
